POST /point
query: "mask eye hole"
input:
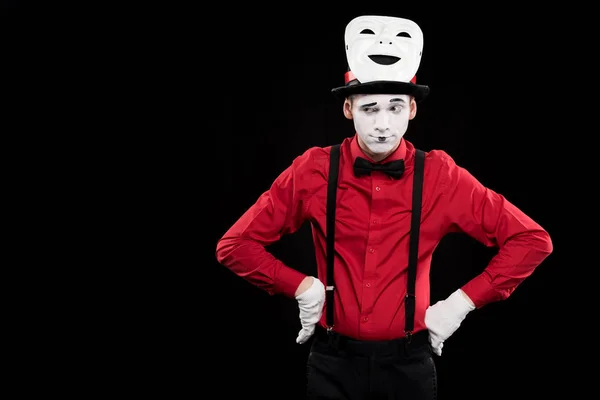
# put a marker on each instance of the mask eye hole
(367, 31)
(403, 34)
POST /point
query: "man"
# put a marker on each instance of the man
(378, 208)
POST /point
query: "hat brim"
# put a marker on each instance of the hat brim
(420, 92)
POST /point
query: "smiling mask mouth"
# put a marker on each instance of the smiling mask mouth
(384, 60)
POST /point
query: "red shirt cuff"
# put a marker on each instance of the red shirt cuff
(480, 291)
(288, 280)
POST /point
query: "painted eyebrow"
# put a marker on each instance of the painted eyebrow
(397, 99)
(368, 105)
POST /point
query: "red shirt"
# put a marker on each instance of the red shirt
(372, 236)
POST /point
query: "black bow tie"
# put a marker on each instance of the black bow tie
(362, 166)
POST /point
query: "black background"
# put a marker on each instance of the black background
(194, 110)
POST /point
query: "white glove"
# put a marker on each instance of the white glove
(310, 303)
(444, 317)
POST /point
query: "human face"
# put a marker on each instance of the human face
(380, 120)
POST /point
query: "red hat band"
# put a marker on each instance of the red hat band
(349, 76)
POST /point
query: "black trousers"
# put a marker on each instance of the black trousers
(346, 369)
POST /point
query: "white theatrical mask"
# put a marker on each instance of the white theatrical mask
(381, 120)
(382, 48)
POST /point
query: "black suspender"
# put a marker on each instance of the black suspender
(413, 251)
(414, 236)
(334, 162)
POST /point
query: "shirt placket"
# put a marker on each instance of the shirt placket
(372, 250)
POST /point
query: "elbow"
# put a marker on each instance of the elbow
(222, 250)
(540, 245)
(535, 245)
(219, 253)
(228, 249)
(546, 246)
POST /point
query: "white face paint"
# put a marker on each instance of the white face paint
(383, 48)
(381, 120)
